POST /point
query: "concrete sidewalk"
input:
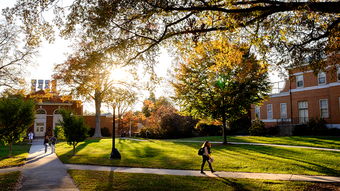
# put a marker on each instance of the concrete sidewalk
(262, 144)
(44, 171)
(267, 176)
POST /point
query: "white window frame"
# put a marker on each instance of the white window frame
(283, 113)
(303, 119)
(298, 80)
(324, 108)
(257, 112)
(322, 75)
(269, 111)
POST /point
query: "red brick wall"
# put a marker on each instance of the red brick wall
(105, 122)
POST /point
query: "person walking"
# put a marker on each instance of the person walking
(53, 141)
(46, 142)
(206, 157)
(30, 137)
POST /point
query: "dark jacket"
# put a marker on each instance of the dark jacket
(46, 140)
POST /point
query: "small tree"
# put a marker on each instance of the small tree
(16, 115)
(75, 129)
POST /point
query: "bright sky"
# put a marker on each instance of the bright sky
(51, 54)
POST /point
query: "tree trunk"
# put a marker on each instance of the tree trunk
(10, 149)
(98, 103)
(74, 149)
(224, 130)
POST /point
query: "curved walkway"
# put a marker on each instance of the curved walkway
(44, 171)
(263, 144)
(267, 176)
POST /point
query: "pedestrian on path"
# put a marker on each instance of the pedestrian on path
(30, 137)
(206, 157)
(46, 143)
(53, 141)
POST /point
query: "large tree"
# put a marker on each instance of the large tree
(291, 31)
(15, 54)
(87, 73)
(16, 115)
(220, 81)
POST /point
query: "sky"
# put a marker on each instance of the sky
(51, 54)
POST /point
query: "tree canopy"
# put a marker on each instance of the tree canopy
(220, 81)
(287, 32)
(16, 115)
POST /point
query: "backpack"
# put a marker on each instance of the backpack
(201, 151)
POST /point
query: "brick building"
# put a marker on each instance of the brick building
(48, 104)
(304, 96)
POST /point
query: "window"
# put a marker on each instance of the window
(303, 111)
(322, 78)
(283, 110)
(324, 108)
(257, 112)
(269, 111)
(338, 74)
(299, 81)
(40, 111)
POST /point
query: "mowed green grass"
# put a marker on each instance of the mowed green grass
(19, 155)
(99, 180)
(9, 180)
(332, 142)
(178, 155)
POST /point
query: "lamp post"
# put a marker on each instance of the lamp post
(114, 152)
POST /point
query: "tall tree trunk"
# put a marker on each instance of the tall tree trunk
(74, 149)
(10, 148)
(224, 130)
(98, 103)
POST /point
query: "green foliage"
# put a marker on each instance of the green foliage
(16, 115)
(257, 128)
(220, 81)
(75, 129)
(59, 133)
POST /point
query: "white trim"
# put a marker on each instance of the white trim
(275, 120)
(337, 126)
(300, 73)
(280, 94)
(54, 103)
(316, 87)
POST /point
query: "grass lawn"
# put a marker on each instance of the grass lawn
(179, 155)
(332, 142)
(19, 154)
(9, 180)
(98, 180)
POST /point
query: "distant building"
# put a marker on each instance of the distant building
(48, 104)
(304, 96)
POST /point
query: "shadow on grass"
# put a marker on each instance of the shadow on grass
(68, 155)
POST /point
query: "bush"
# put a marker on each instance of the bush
(59, 133)
(275, 130)
(207, 129)
(257, 128)
(240, 126)
(313, 127)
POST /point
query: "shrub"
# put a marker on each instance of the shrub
(301, 129)
(207, 129)
(59, 133)
(257, 128)
(275, 130)
(317, 126)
